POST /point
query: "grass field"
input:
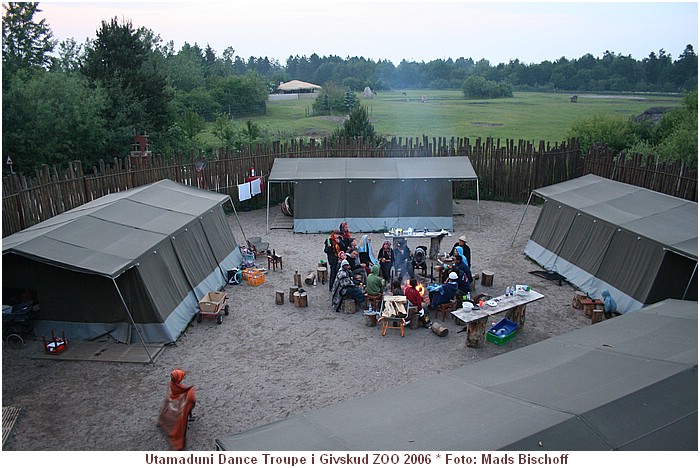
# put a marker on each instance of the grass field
(525, 116)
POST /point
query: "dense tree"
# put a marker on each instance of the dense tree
(357, 126)
(26, 44)
(52, 118)
(677, 133)
(123, 61)
(240, 95)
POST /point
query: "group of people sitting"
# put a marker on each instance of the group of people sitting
(355, 271)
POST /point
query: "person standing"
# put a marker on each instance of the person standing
(403, 261)
(466, 251)
(386, 260)
(332, 248)
(177, 408)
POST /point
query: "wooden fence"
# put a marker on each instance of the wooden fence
(677, 179)
(508, 171)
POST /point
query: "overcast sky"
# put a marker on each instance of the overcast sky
(396, 30)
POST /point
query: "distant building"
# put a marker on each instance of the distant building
(296, 86)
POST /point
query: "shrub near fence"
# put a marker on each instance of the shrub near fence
(506, 172)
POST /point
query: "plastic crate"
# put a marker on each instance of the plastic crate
(502, 332)
(256, 279)
(212, 301)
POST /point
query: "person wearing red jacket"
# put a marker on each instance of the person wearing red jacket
(177, 408)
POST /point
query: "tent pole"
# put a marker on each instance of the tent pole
(239, 221)
(268, 205)
(478, 204)
(521, 219)
(131, 317)
(695, 272)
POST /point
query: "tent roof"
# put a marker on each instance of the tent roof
(107, 236)
(610, 386)
(296, 169)
(668, 220)
(296, 84)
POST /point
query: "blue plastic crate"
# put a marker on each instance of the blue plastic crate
(502, 332)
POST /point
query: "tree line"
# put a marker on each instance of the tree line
(69, 101)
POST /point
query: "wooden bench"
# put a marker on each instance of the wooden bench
(476, 320)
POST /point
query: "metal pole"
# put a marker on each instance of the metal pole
(239, 221)
(521, 219)
(478, 204)
(150, 358)
(268, 205)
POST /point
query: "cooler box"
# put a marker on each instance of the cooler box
(502, 332)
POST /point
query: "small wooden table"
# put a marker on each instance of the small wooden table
(513, 306)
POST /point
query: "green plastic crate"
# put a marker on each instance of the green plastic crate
(510, 327)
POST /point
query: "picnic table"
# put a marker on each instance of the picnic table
(476, 320)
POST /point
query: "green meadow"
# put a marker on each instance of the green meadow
(527, 116)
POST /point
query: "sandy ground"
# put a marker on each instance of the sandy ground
(267, 362)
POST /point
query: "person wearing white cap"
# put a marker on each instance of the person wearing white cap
(466, 251)
(345, 286)
(441, 293)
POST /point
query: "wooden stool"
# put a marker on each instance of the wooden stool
(300, 299)
(274, 262)
(445, 308)
(374, 301)
(576, 301)
(413, 317)
(279, 297)
(292, 290)
(322, 274)
(487, 278)
(597, 314)
(348, 306)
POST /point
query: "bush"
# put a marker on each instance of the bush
(478, 87)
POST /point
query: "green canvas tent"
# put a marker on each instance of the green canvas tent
(372, 194)
(600, 234)
(132, 262)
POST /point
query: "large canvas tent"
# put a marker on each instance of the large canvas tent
(372, 194)
(640, 245)
(628, 384)
(132, 262)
